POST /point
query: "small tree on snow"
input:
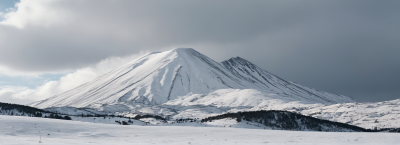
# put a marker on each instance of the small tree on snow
(239, 119)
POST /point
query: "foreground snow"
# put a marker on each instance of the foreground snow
(26, 130)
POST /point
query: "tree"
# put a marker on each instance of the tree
(239, 119)
(67, 117)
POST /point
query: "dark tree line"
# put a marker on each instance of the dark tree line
(21, 108)
(55, 116)
(291, 121)
(138, 117)
(184, 120)
(123, 122)
(29, 111)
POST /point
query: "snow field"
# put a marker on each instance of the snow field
(17, 130)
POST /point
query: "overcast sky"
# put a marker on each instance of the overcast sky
(345, 47)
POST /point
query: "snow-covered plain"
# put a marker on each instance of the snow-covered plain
(17, 130)
(367, 115)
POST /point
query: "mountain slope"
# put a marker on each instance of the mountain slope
(158, 78)
(151, 79)
(248, 71)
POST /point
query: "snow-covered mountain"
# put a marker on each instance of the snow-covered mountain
(183, 83)
(162, 77)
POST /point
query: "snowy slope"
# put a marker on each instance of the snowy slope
(15, 130)
(367, 115)
(264, 80)
(158, 78)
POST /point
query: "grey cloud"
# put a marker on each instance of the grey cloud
(103, 28)
(344, 47)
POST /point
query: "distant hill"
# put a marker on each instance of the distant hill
(22, 110)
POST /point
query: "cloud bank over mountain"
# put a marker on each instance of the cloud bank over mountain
(24, 95)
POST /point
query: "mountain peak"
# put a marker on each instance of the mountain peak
(237, 58)
(182, 49)
(184, 53)
(235, 61)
